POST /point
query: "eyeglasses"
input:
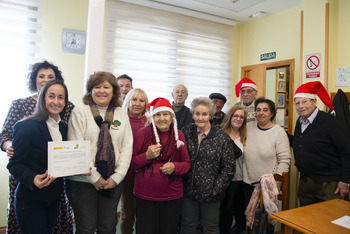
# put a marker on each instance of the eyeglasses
(248, 91)
(238, 117)
(302, 102)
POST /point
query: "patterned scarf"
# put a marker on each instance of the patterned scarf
(105, 156)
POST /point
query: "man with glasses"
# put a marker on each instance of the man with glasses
(321, 148)
(248, 91)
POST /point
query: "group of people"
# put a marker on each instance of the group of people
(175, 169)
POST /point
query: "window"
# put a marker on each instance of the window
(160, 49)
(20, 30)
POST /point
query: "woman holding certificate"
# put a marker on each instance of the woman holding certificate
(37, 196)
(101, 121)
(160, 158)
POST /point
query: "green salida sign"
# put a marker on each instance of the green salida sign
(267, 56)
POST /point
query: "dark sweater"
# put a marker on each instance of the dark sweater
(183, 117)
(213, 164)
(322, 151)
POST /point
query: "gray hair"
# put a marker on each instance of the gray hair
(204, 101)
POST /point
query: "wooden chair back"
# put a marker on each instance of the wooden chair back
(284, 193)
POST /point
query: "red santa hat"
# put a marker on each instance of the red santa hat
(158, 105)
(245, 82)
(311, 89)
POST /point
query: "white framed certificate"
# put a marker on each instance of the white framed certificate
(67, 158)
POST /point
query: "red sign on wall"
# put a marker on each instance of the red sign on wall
(313, 65)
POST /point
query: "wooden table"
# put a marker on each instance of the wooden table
(315, 218)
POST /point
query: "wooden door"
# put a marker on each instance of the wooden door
(256, 73)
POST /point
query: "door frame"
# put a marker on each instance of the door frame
(273, 65)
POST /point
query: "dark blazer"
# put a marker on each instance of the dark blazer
(30, 139)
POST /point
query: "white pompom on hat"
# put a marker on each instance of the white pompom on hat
(311, 89)
(163, 104)
(245, 82)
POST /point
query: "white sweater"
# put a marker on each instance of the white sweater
(265, 152)
(82, 126)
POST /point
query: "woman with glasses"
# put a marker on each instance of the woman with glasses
(235, 125)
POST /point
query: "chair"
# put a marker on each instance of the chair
(284, 193)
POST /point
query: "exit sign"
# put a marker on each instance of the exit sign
(267, 56)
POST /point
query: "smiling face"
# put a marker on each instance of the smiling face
(102, 94)
(248, 95)
(55, 100)
(201, 116)
(137, 106)
(162, 120)
(237, 119)
(179, 95)
(305, 106)
(43, 76)
(125, 87)
(263, 114)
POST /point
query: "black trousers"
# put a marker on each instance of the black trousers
(232, 205)
(157, 217)
(37, 217)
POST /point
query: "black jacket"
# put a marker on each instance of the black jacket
(30, 139)
(213, 164)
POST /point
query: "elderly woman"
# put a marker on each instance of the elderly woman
(37, 197)
(39, 75)
(101, 121)
(235, 125)
(212, 154)
(267, 148)
(135, 104)
(160, 158)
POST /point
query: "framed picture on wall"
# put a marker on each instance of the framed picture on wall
(281, 75)
(281, 100)
(281, 86)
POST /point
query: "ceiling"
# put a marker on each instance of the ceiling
(231, 12)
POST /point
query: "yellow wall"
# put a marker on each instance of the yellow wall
(72, 14)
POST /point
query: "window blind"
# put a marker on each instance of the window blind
(160, 49)
(20, 33)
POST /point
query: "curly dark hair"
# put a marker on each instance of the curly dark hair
(271, 105)
(35, 68)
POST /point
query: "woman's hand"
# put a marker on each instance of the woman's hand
(100, 184)
(110, 184)
(88, 173)
(7, 146)
(153, 151)
(168, 168)
(43, 180)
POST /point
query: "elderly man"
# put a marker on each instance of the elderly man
(182, 112)
(219, 101)
(321, 148)
(125, 84)
(248, 90)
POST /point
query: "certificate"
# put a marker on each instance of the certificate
(67, 158)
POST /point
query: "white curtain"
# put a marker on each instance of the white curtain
(20, 33)
(160, 49)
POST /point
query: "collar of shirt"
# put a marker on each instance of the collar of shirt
(311, 117)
